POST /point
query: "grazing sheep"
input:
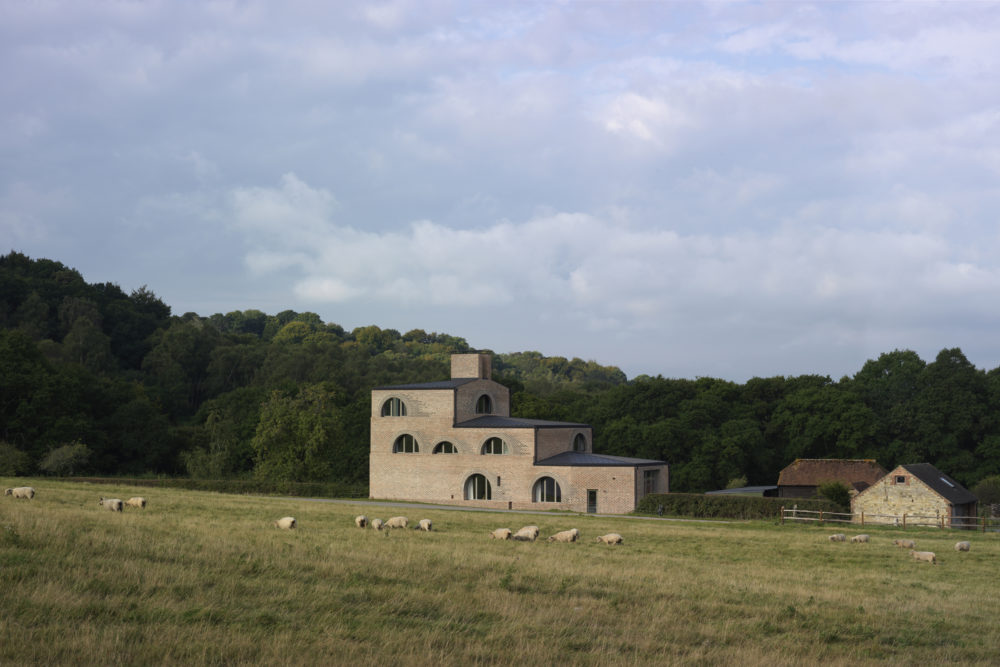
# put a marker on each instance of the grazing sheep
(905, 544)
(136, 501)
(377, 524)
(25, 492)
(286, 523)
(361, 521)
(526, 534)
(425, 524)
(962, 546)
(925, 556)
(500, 534)
(565, 536)
(610, 538)
(838, 537)
(111, 504)
(397, 522)
(859, 539)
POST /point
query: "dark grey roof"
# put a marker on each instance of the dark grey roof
(585, 459)
(941, 483)
(494, 421)
(442, 384)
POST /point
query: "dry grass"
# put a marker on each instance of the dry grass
(203, 578)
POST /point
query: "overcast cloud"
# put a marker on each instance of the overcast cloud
(685, 189)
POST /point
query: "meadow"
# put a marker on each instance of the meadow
(205, 578)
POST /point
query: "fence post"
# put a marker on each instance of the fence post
(782, 515)
(862, 518)
(904, 520)
(821, 517)
(984, 523)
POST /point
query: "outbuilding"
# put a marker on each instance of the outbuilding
(917, 494)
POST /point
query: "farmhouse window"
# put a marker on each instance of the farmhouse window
(405, 444)
(900, 479)
(649, 481)
(477, 487)
(445, 448)
(580, 443)
(495, 446)
(394, 407)
(546, 490)
(484, 406)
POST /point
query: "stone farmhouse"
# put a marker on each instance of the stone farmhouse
(920, 491)
(454, 442)
(802, 477)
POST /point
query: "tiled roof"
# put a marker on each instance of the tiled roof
(941, 483)
(494, 421)
(442, 384)
(813, 472)
(585, 459)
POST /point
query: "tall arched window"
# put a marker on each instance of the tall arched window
(580, 443)
(477, 487)
(495, 446)
(444, 448)
(546, 490)
(484, 406)
(394, 407)
(405, 444)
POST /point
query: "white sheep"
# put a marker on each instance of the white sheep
(905, 544)
(25, 492)
(500, 534)
(610, 538)
(377, 524)
(838, 537)
(397, 522)
(425, 524)
(111, 504)
(136, 501)
(962, 546)
(565, 536)
(526, 534)
(361, 521)
(927, 556)
(859, 539)
(286, 523)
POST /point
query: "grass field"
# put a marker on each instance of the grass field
(204, 578)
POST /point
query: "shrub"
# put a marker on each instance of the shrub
(988, 492)
(13, 461)
(65, 460)
(835, 492)
(724, 506)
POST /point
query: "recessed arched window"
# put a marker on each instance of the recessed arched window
(405, 444)
(445, 448)
(394, 407)
(546, 490)
(495, 446)
(477, 487)
(580, 443)
(484, 406)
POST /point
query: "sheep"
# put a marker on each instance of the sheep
(397, 522)
(361, 521)
(111, 504)
(905, 544)
(565, 536)
(526, 534)
(610, 538)
(25, 492)
(500, 534)
(377, 524)
(859, 539)
(838, 537)
(286, 523)
(962, 546)
(136, 501)
(925, 556)
(425, 524)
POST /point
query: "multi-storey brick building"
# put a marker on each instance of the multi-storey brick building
(455, 442)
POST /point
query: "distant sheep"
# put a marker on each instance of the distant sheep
(859, 539)
(610, 538)
(111, 504)
(397, 522)
(962, 546)
(286, 523)
(565, 536)
(25, 492)
(905, 544)
(377, 524)
(136, 501)
(927, 556)
(500, 534)
(838, 537)
(361, 521)
(526, 534)
(424, 524)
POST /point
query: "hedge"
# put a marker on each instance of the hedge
(724, 506)
(245, 486)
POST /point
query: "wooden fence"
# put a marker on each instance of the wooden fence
(982, 523)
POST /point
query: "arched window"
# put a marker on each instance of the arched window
(405, 444)
(546, 490)
(394, 407)
(580, 443)
(445, 448)
(495, 446)
(477, 487)
(484, 406)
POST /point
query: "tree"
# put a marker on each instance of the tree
(65, 460)
(297, 435)
(13, 461)
(836, 492)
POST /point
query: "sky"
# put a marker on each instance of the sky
(720, 189)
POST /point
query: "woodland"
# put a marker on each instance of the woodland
(98, 381)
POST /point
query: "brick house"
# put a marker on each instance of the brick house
(920, 491)
(454, 442)
(802, 477)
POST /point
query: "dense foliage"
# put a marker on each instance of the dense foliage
(726, 506)
(96, 380)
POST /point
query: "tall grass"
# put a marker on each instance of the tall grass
(204, 578)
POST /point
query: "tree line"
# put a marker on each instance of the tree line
(97, 380)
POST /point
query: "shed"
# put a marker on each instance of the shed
(802, 477)
(921, 492)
